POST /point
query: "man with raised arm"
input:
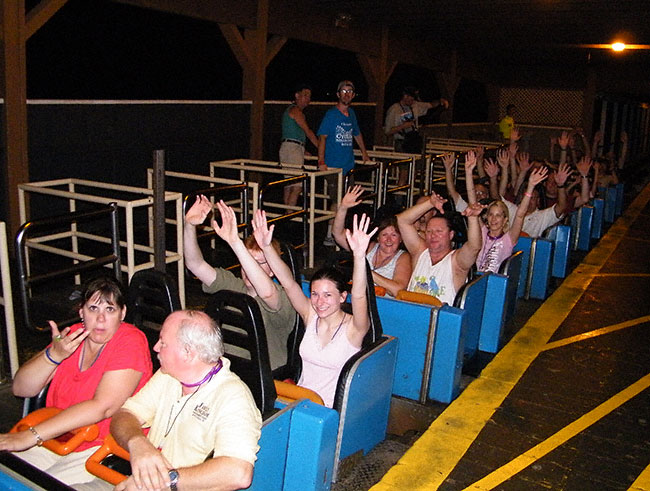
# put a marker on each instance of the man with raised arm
(204, 424)
(277, 313)
(439, 270)
(402, 118)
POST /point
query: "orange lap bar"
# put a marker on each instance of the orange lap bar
(63, 444)
(96, 468)
(290, 392)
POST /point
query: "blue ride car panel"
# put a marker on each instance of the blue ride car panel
(312, 446)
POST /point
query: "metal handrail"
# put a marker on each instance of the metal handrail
(373, 169)
(26, 281)
(292, 214)
(409, 181)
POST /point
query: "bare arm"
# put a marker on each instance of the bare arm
(583, 167)
(492, 170)
(448, 161)
(358, 238)
(465, 257)
(39, 370)
(536, 176)
(503, 161)
(405, 221)
(148, 466)
(349, 200)
(264, 235)
(561, 177)
(480, 152)
(321, 152)
(299, 117)
(113, 389)
(261, 281)
(523, 159)
(401, 276)
(193, 257)
(362, 147)
(470, 163)
(598, 137)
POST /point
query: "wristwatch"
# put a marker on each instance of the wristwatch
(173, 479)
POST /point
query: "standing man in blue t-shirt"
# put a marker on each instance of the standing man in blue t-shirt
(335, 147)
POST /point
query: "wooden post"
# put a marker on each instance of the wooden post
(377, 71)
(254, 51)
(15, 166)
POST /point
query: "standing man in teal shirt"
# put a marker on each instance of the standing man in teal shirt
(295, 132)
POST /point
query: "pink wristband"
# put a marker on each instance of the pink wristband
(530, 195)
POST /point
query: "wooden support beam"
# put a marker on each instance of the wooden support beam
(15, 166)
(448, 83)
(39, 15)
(273, 47)
(377, 71)
(254, 51)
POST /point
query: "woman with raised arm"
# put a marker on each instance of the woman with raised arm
(498, 238)
(390, 265)
(331, 335)
(92, 368)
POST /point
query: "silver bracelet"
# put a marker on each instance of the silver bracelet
(39, 440)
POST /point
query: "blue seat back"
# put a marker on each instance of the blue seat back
(512, 268)
(560, 235)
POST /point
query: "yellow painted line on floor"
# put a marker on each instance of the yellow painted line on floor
(432, 458)
(596, 332)
(642, 483)
(505, 472)
(622, 275)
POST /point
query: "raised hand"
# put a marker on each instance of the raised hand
(537, 176)
(491, 169)
(623, 137)
(359, 238)
(351, 197)
(563, 174)
(523, 159)
(583, 166)
(514, 134)
(563, 140)
(470, 162)
(65, 343)
(473, 210)
(448, 160)
(479, 152)
(228, 230)
(512, 149)
(199, 211)
(437, 201)
(598, 136)
(503, 157)
(261, 230)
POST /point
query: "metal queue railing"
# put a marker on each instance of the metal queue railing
(375, 180)
(26, 234)
(408, 187)
(291, 214)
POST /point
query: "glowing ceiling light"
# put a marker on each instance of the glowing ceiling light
(618, 46)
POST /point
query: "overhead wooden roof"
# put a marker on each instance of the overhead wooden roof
(497, 41)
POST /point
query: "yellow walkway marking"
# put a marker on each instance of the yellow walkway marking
(642, 482)
(596, 332)
(432, 458)
(538, 451)
(622, 275)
